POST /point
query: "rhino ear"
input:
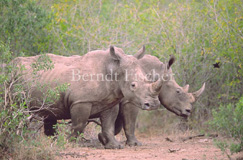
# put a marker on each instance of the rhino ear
(140, 53)
(113, 54)
(171, 61)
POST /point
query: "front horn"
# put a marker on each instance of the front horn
(156, 86)
(199, 92)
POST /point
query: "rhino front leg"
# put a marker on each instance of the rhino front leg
(130, 112)
(79, 114)
(107, 137)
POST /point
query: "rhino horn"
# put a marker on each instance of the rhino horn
(140, 53)
(199, 92)
(156, 86)
(186, 88)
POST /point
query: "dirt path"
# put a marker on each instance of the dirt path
(154, 148)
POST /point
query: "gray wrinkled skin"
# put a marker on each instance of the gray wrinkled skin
(85, 98)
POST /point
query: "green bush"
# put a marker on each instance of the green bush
(15, 136)
(12, 103)
(228, 121)
(26, 25)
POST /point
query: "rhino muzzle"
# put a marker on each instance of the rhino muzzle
(186, 113)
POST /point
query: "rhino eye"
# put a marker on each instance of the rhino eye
(178, 90)
(133, 86)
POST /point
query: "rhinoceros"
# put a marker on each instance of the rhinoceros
(172, 96)
(96, 81)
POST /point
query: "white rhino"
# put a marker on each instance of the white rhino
(96, 82)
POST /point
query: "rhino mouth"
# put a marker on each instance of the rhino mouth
(184, 115)
(178, 112)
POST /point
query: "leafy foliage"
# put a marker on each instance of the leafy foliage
(12, 102)
(14, 111)
(43, 63)
(25, 25)
(228, 121)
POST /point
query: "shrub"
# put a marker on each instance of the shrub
(15, 138)
(228, 121)
(12, 102)
(25, 24)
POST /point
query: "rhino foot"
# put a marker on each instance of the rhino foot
(102, 139)
(133, 143)
(115, 145)
(112, 144)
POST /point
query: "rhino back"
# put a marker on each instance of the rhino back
(150, 63)
(65, 68)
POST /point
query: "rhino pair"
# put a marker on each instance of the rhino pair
(173, 97)
(89, 95)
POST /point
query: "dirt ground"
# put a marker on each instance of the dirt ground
(155, 147)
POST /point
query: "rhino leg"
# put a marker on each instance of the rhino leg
(79, 114)
(48, 127)
(107, 137)
(119, 122)
(130, 113)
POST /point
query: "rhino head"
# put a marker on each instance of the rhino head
(175, 98)
(134, 85)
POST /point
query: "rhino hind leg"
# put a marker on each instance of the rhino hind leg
(119, 123)
(49, 129)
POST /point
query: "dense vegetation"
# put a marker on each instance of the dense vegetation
(206, 37)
